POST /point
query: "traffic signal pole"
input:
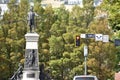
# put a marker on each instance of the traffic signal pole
(85, 51)
(85, 66)
(97, 37)
(85, 55)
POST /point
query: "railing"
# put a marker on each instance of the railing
(18, 74)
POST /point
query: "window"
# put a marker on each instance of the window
(84, 78)
(4, 1)
(30, 0)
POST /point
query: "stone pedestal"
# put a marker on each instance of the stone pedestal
(31, 66)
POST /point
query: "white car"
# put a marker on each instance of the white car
(85, 77)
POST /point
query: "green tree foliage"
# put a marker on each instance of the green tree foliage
(12, 37)
(57, 29)
(88, 12)
(113, 8)
(82, 17)
(101, 59)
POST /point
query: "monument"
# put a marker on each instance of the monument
(31, 66)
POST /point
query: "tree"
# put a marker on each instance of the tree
(82, 17)
(102, 57)
(112, 7)
(57, 51)
(12, 37)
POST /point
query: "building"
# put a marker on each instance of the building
(117, 76)
(97, 2)
(55, 3)
(74, 2)
(68, 3)
(4, 8)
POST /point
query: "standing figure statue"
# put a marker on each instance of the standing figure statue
(30, 19)
(31, 58)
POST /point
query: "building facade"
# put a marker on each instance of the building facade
(55, 3)
(3, 5)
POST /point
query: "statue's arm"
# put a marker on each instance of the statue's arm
(36, 14)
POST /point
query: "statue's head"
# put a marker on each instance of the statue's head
(31, 8)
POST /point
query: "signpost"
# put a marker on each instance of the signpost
(97, 37)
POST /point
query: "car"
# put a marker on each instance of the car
(85, 77)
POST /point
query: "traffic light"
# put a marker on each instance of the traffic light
(77, 40)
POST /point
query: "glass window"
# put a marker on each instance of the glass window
(85, 78)
(4, 1)
(30, 0)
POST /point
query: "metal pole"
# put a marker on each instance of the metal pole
(85, 55)
(85, 65)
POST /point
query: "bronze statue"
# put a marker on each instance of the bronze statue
(31, 20)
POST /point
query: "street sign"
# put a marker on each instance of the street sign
(83, 35)
(90, 35)
(105, 38)
(98, 37)
(117, 42)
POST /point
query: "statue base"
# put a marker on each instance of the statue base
(31, 64)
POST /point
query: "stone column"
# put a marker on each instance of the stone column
(31, 66)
